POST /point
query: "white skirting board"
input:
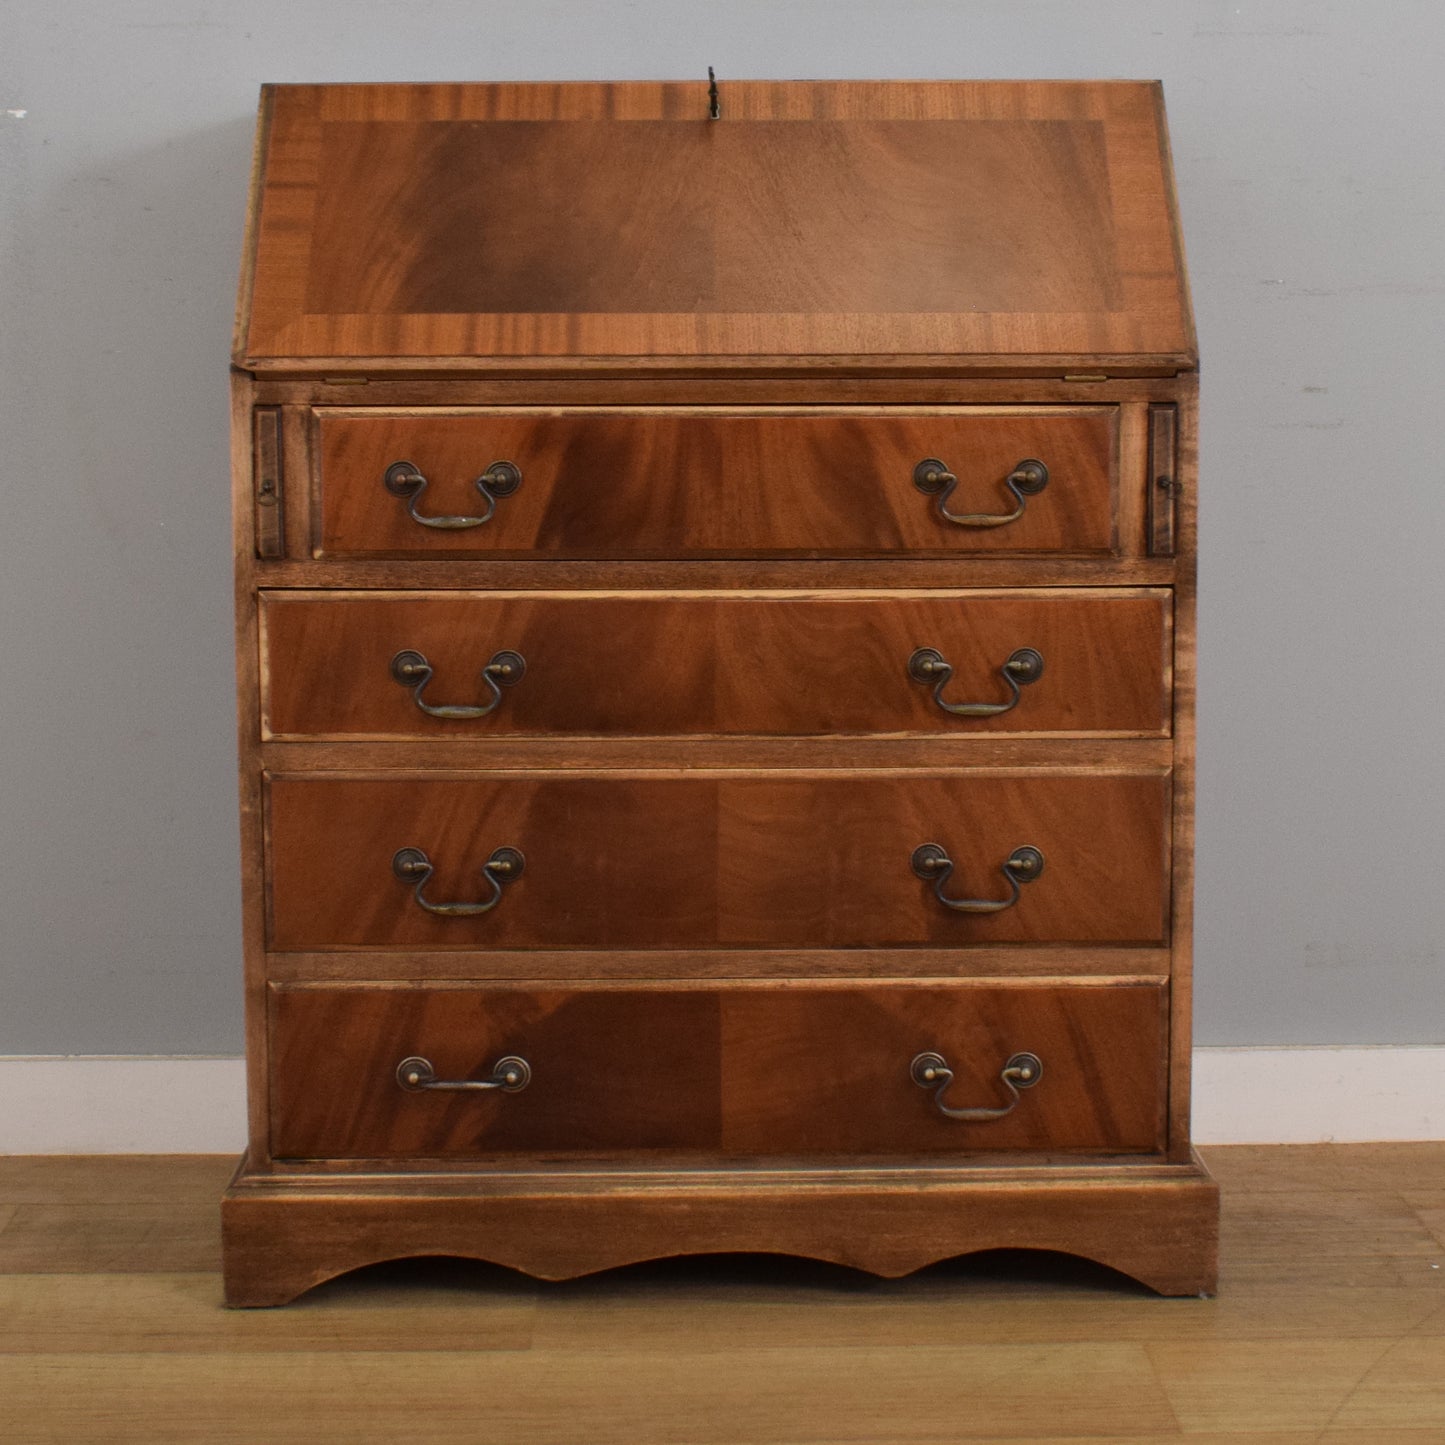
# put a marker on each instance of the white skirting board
(87, 1105)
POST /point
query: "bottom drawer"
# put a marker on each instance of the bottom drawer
(741, 1070)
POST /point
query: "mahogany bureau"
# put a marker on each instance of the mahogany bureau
(715, 627)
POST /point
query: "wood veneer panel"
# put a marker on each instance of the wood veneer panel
(698, 860)
(813, 964)
(737, 386)
(612, 483)
(608, 863)
(610, 1070)
(750, 1071)
(825, 861)
(522, 224)
(667, 216)
(937, 753)
(646, 664)
(814, 1071)
(539, 574)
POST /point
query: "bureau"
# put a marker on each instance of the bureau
(715, 611)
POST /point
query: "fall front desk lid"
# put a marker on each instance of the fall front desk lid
(873, 226)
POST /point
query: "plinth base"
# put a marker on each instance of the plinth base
(285, 1233)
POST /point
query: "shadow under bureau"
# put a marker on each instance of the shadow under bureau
(715, 631)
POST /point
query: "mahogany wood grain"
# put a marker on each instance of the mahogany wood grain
(735, 387)
(714, 860)
(246, 282)
(517, 225)
(751, 1071)
(1129, 525)
(300, 504)
(1186, 672)
(268, 483)
(1164, 481)
(749, 889)
(530, 754)
(541, 217)
(909, 574)
(667, 483)
(244, 539)
(644, 663)
(1159, 1224)
(812, 1071)
(1133, 962)
(611, 1070)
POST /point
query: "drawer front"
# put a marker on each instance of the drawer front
(669, 483)
(738, 1071)
(694, 860)
(769, 663)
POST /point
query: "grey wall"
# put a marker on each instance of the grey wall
(1310, 145)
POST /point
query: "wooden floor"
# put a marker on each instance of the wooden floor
(1329, 1327)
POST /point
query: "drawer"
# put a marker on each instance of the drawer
(743, 1071)
(677, 483)
(377, 665)
(698, 860)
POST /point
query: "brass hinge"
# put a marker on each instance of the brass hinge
(1085, 376)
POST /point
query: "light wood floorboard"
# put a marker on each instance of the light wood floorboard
(1329, 1328)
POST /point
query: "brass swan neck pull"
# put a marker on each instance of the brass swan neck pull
(510, 1074)
(1026, 480)
(407, 480)
(412, 866)
(932, 863)
(1022, 667)
(931, 1071)
(505, 669)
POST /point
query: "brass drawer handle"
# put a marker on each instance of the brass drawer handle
(1022, 667)
(1026, 480)
(932, 863)
(412, 670)
(505, 866)
(406, 479)
(511, 1075)
(931, 1071)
